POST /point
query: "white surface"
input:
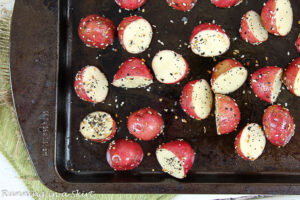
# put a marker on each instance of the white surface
(6, 7)
(231, 197)
(206, 197)
(11, 186)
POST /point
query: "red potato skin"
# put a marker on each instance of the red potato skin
(238, 146)
(145, 124)
(225, 3)
(186, 99)
(229, 114)
(267, 17)
(206, 26)
(79, 87)
(124, 154)
(122, 26)
(245, 32)
(222, 67)
(298, 44)
(183, 151)
(179, 4)
(291, 73)
(133, 67)
(278, 125)
(96, 31)
(262, 84)
(130, 4)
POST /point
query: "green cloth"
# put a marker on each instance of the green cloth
(11, 143)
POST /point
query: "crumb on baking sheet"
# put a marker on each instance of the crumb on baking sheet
(184, 20)
(160, 42)
(235, 52)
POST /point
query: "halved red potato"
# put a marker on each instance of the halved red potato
(169, 67)
(227, 114)
(298, 43)
(277, 17)
(145, 124)
(228, 76)
(130, 4)
(226, 3)
(250, 142)
(278, 125)
(133, 73)
(196, 99)
(266, 83)
(292, 77)
(209, 40)
(183, 5)
(176, 158)
(96, 31)
(135, 34)
(98, 126)
(124, 154)
(252, 30)
(91, 84)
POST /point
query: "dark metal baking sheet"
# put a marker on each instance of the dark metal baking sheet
(46, 52)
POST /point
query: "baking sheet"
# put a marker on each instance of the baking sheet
(64, 160)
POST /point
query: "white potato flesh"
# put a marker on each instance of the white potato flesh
(170, 163)
(97, 126)
(95, 84)
(252, 141)
(297, 84)
(209, 43)
(202, 99)
(132, 82)
(256, 27)
(137, 36)
(169, 67)
(230, 81)
(276, 89)
(283, 16)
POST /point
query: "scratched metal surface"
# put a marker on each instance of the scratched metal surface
(50, 120)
